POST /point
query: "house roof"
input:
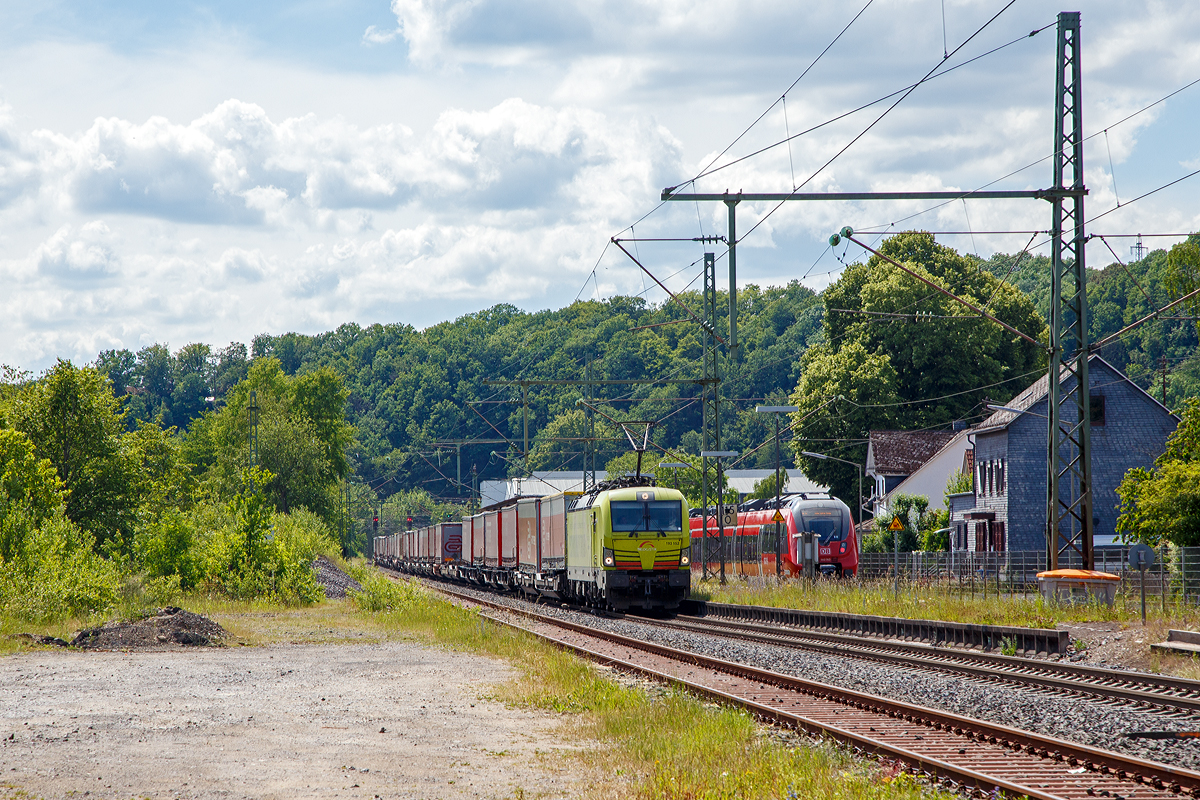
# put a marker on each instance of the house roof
(930, 469)
(1038, 390)
(902, 452)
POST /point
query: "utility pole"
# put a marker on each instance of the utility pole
(475, 489)
(1069, 499)
(253, 409)
(457, 444)
(589, 448)
(781, 528)
(710, 392)
(525, 416)
(1069, 502)
(717, 456)
(1138, 251)
(732, 203)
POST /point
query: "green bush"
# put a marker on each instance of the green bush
(380, 593)
(54, 573)
(165, 548)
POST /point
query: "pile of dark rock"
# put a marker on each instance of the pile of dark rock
(335, 582)
(166, 627)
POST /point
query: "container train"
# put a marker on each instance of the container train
(826, 516)
(622, 545)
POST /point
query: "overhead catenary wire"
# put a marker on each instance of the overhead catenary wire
(807, 69)
(1011, 270)
(1047, 157)
(878, 119)
(710, 171)
(949, 294)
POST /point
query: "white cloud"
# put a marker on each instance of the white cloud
(82, 255)
(483, 152)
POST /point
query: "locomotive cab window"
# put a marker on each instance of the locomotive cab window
(827, 523)
(652, 515)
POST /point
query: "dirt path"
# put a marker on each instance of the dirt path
(394, 720)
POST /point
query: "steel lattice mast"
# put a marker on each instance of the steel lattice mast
(1069, 502)
(1069, 522)
(710, 391)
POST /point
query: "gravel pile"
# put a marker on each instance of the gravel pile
(1072, 718)
(335, 582)
(167, 628)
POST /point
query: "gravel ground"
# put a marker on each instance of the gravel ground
(335, 582)
(393, 720)
(1075, 719)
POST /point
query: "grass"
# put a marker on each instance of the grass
(938, 602)
(661, 745)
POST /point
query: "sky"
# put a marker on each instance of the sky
(207, 171)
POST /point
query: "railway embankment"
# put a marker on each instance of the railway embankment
(392, 692)
(1089, 633)
(1096, 721)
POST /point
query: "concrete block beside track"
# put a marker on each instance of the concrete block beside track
(934, 632)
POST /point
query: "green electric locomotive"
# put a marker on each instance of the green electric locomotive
(629, 547)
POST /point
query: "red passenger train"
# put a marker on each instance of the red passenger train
(817, 512)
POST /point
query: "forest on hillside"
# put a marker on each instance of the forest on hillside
(227, 470)
(418, 398)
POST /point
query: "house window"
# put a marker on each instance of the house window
(1000, 476)
(998, 536)
(981, 483)
(1096, 401)
(981, 530)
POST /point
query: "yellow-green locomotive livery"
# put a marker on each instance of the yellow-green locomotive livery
(624, 544)
(629, 547)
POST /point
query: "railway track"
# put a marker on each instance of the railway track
(1178, 696)
(954, 751)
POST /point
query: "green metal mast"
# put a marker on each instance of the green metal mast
(1069, 502)
(589, 450)
(710, 392)
(731, 238)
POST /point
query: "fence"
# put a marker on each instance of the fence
(1175, 573)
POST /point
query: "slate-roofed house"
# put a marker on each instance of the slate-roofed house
(894, 455)
(1007, 508)
(929, 479)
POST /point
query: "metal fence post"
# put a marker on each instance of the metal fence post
(1162, 574)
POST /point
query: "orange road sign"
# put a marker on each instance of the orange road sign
(778, 516)
(896, 525)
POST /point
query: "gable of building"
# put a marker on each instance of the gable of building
(901, 453)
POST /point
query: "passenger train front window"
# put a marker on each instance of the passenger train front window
(653, 515)
(826, 523)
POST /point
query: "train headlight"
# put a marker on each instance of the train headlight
(685, 557)
(610, 560)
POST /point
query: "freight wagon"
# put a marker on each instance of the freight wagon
(622, 545)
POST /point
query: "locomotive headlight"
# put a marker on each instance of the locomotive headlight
(685, 557)
(609, 559)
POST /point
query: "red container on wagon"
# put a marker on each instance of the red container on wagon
(508, 537)
(552, 531)
(491, 538)
(527, 534)
(451, 539)
(478, 540)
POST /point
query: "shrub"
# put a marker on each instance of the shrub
(380, 593)
(55, 573)
(165, 548)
